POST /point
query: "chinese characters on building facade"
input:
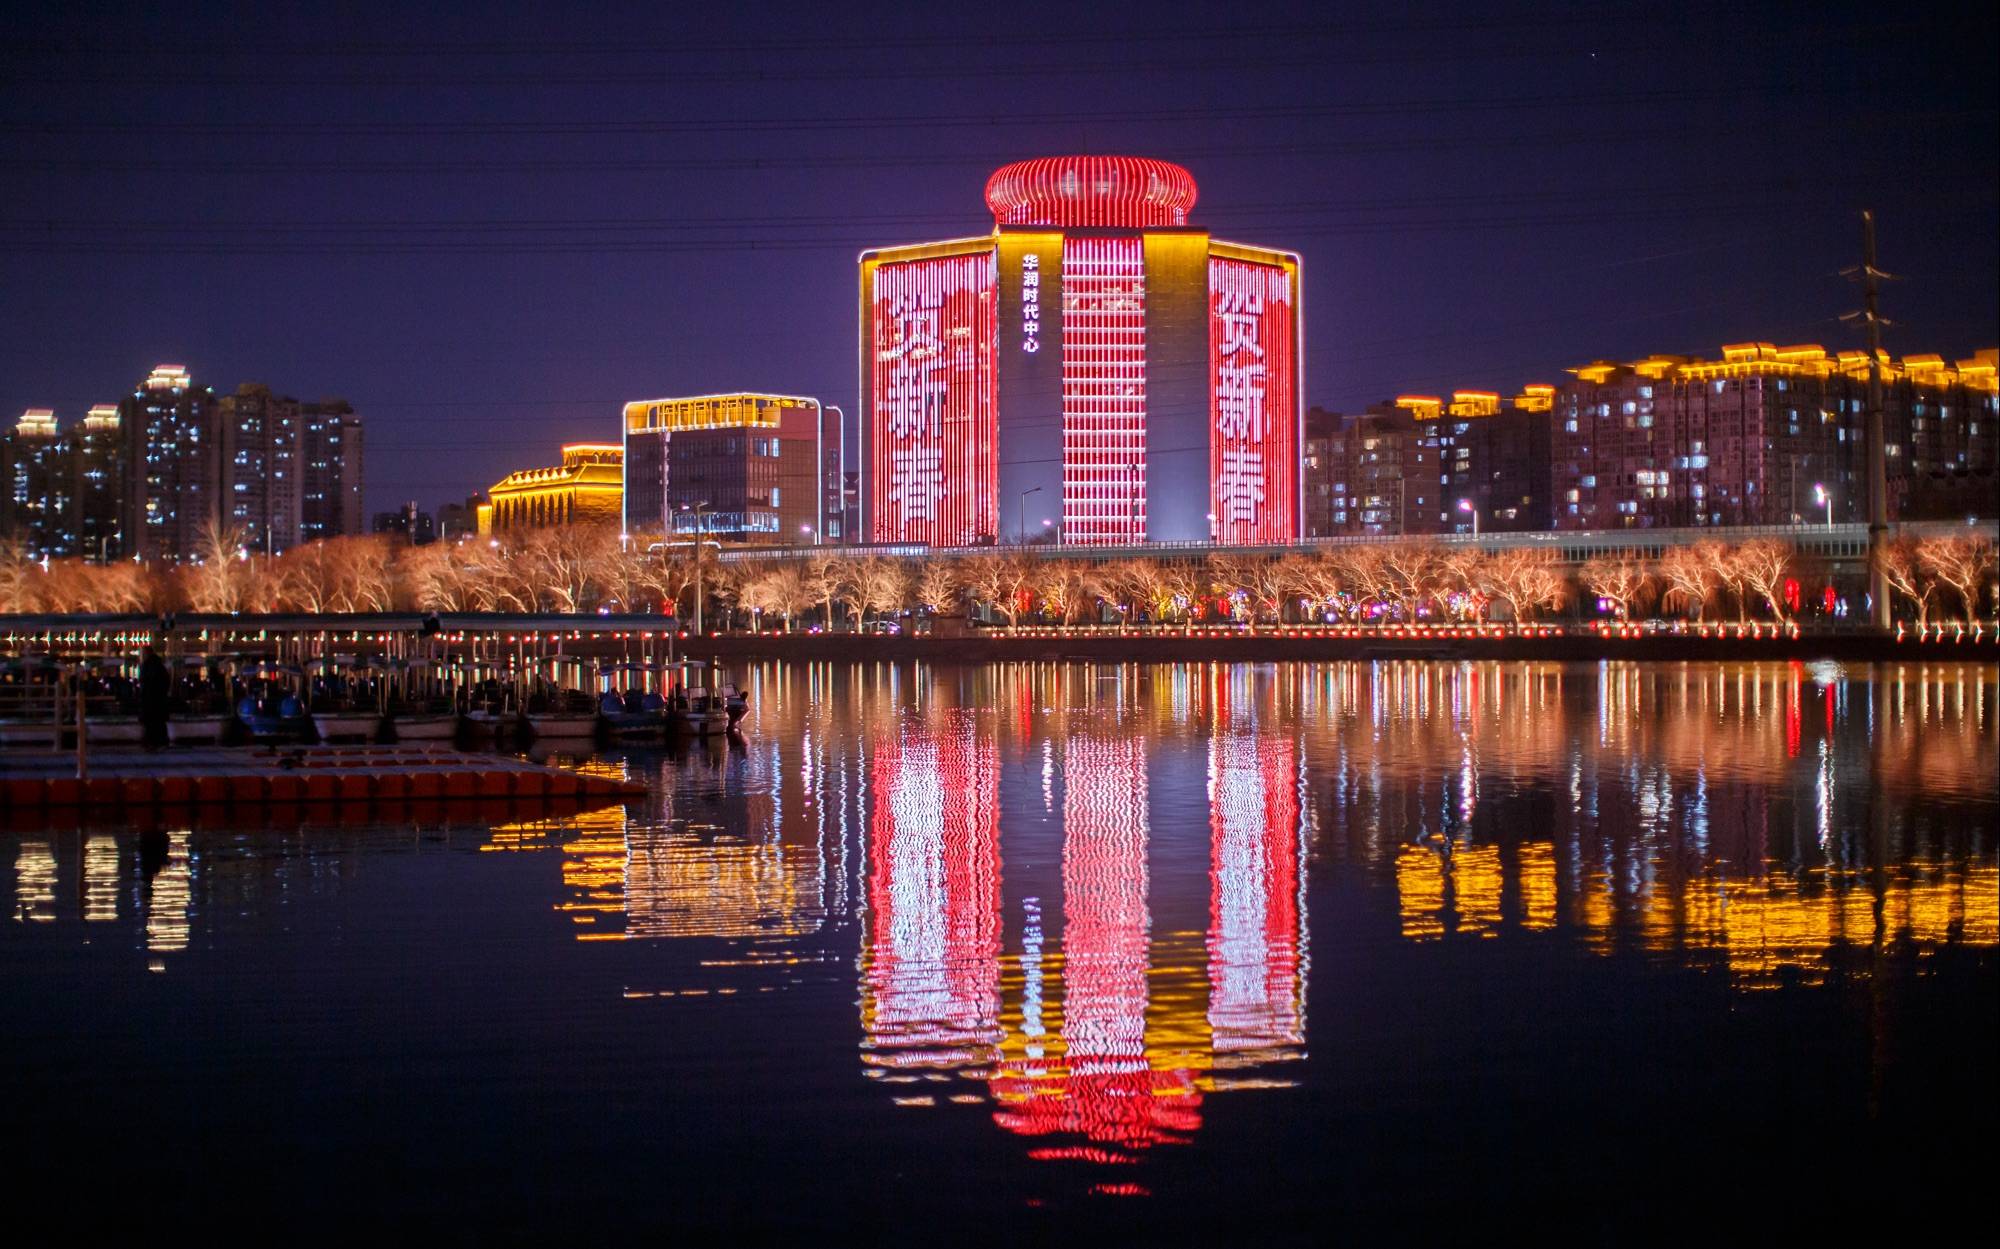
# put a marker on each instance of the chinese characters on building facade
(1254, 442)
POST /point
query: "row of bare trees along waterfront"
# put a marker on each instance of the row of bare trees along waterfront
(583, 568)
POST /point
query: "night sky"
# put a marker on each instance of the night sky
(488, 231)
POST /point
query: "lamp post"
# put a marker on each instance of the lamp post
(1137, 535)
(1024, 511)
(698, 508)
(1466, 505)
(1824, 497)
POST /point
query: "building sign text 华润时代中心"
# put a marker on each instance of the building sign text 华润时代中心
(1031, 303)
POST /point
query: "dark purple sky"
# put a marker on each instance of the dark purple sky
(489, 231)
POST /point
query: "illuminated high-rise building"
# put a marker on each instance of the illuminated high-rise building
(37, 490)
(173, 465)
(1095, 370)
(330, 464)
(261, 451)
(97, 486)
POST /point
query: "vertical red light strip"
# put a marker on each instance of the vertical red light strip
(1253, 404)
(934, 476)
(1104, 390)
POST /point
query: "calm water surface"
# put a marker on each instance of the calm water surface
(1177, 952)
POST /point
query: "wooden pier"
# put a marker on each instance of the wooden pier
(299, 774)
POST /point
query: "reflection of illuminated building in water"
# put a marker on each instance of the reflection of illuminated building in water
(1098, 1033)
(1102, 1078)
(931, 945)
(628, 879)
(1725, 830)
(1256, 989)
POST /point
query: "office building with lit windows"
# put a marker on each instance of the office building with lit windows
(1095, 370)
(739, 467)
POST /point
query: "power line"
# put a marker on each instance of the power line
(737, 124)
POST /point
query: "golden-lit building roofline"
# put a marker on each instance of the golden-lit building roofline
(741, 409)
(1801, 360)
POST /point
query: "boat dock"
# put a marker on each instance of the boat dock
(298, 774)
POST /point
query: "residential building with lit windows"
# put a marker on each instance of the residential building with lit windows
(64, 488)
(173, 465)
(1769, 435)
(97, 486)
(34, 510)
(330, 471)
(586, 488)
(1094, 370)
(741, 467)
(1765, 435)
(262, 449)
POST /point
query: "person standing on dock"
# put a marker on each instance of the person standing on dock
(153, 700)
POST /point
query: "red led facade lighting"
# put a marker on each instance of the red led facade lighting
(932, 475)
(1132, 192)
(1253, 435)
(1104, 390)
(1096, 363)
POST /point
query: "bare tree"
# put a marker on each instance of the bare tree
(1765, 564)
(830, 576)
(1064, 587)
(1320, 578)
(1261, 581)
(1413, 571)
(22, 578)
(217, 580)
(1187, 583)
(1529, 578)
(1136, 585)
(882, 586)
(1621, 579)
(1365, 567)
(1904, 568)
(1692, 575)
(939, 587)
(1001, 580)
(1464, 569)
(1965, 563)
(774, 587)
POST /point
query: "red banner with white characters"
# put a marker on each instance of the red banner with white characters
(1253, 402)
(933, 472)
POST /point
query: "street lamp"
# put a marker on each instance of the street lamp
(1466, 505)
(1137, 535)
(1824, 497)
(1024, 511)
(698, 508)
